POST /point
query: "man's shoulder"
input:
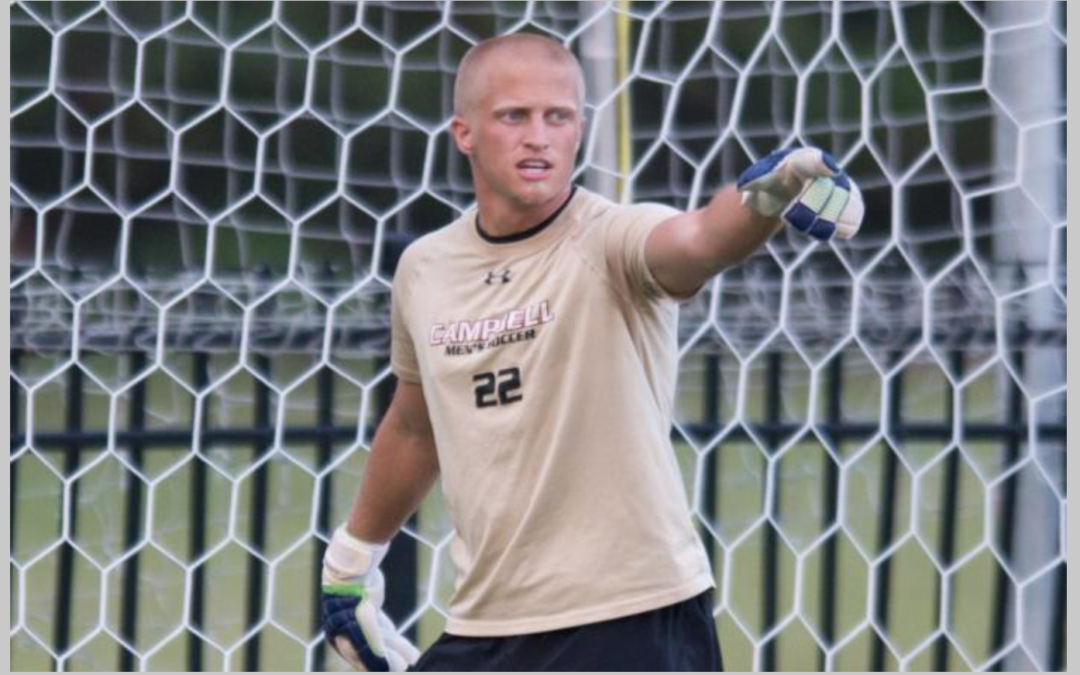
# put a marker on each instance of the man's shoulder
(600, 213)
(437, 242)
(645, 209)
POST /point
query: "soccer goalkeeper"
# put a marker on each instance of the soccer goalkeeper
(534, 342)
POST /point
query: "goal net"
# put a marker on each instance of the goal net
(208, 201)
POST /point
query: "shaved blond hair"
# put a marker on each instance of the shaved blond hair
(468, 85)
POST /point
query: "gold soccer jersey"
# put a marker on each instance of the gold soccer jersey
(548, 364)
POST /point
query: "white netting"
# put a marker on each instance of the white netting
(208, 202)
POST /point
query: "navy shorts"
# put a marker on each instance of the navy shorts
(677, 637)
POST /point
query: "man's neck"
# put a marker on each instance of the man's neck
(502, 218)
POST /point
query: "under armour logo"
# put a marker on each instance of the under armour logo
(493, 276)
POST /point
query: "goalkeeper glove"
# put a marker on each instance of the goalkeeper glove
(807, 189)
(352, 598)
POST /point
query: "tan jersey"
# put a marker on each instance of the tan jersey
(548, 365)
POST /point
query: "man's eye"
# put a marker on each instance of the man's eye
(512, 115)
(560, 115)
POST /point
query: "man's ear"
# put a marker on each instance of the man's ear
(463, 139)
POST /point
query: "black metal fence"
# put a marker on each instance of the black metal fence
(138, 441)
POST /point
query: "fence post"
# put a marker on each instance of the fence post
(65, 570)
(196, 516)
(130, 601)
(325, 406)
(831, 499)
(711, 487)
(770, 577)
(260, 486)
(947, 535)
(888, 522)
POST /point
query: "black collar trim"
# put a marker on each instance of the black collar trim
(525, 234)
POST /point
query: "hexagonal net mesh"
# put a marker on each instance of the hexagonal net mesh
(208, 202)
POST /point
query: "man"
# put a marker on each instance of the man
(534, 342)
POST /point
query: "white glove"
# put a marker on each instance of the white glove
(353, 590)
(808, 189)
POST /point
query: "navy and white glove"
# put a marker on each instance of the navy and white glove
(353, 589)
(807, 189)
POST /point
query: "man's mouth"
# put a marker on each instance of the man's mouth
(534, 169)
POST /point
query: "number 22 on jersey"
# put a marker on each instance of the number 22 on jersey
(498, 388)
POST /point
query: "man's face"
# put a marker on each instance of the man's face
(523, 131)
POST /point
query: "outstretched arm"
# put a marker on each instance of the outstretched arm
(804, 188)
(691, 248)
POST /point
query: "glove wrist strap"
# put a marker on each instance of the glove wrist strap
(348, 557)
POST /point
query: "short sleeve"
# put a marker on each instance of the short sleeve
(402, 348)
(624, 248)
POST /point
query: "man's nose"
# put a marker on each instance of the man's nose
(536, 136)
